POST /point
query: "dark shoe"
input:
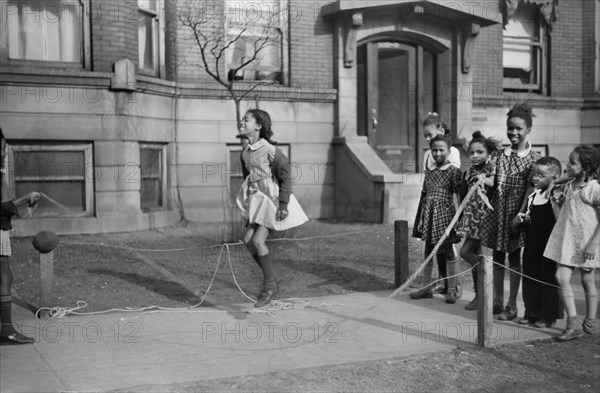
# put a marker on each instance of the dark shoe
(424, 293)
(459, 292)
(451, 296)
(15, 338)
(525, 321)
(542, 323)
(266, 294)
(508, 314)
(570, 334)
(473, 305)
(588, 325)
(497, 309)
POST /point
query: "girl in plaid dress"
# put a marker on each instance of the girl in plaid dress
(433, 125)
(502, 232)
(265, 197)
(441, 183)
(475, 213)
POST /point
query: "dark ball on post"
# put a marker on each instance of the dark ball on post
(45, 241)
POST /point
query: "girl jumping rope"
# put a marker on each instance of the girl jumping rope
(501, 231)
(265, 197)
(433, 125)
(475, 213)
(575, 239)
(441, 183)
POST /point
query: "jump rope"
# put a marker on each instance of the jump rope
(276, 305)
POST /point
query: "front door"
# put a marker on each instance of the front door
(396, 88)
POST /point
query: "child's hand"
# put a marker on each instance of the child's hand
(34, 197)
(281, 214)
(590, 252)
(515, 223)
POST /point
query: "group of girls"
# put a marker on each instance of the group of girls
(524, 201)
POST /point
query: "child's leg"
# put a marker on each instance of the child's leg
(258, 243)
(470, 252)
(514, 263)
(498, 257)
(563, 277)
(442, 264)
(5, 297)
(452, 266)
(248, 242)
(591, 299)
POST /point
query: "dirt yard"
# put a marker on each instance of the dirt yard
(137, 269)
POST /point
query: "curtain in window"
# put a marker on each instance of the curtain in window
(44, 31)
(547, 8)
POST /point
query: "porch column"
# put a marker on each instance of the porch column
(346, 106)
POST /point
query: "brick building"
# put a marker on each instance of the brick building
(108, 110)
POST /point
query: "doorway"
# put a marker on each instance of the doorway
(397, 85)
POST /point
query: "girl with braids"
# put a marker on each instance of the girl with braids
(475, 213)
(265, 197)
(575, 239)
(501, 231)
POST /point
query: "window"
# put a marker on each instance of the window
(597, 65)
(63, 172)
(525, 43)
(47, 31)
(153, 175)
(151, 37)
(255, 31)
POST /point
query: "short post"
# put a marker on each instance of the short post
(46, 280)
(400, 252)
(485, 289)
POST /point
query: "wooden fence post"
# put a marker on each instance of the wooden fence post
(46, 281)
(485, 294)
(400, 252)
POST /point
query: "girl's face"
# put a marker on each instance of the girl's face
(542, 176)
(430, 131)
(440, 152)
(517, 131)
(574, 168)
(478, 154)
(249, 124)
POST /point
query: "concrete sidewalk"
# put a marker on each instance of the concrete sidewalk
(118, 350)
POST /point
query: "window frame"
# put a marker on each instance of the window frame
(158, 21)
(85, 44)
(281, 29)
(88, 178)
(541, 45)
(162, 148)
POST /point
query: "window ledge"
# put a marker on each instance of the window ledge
(54, 77)
(536, 100)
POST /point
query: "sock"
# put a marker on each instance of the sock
(442, 268)
(255, 257)
(6, 313)
(267, 268)
(474, 273)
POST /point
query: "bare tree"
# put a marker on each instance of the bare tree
(224, 30)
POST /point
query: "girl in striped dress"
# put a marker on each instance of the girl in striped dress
(502, 232)
(475, 213)
(265, 197)
(441, 183)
